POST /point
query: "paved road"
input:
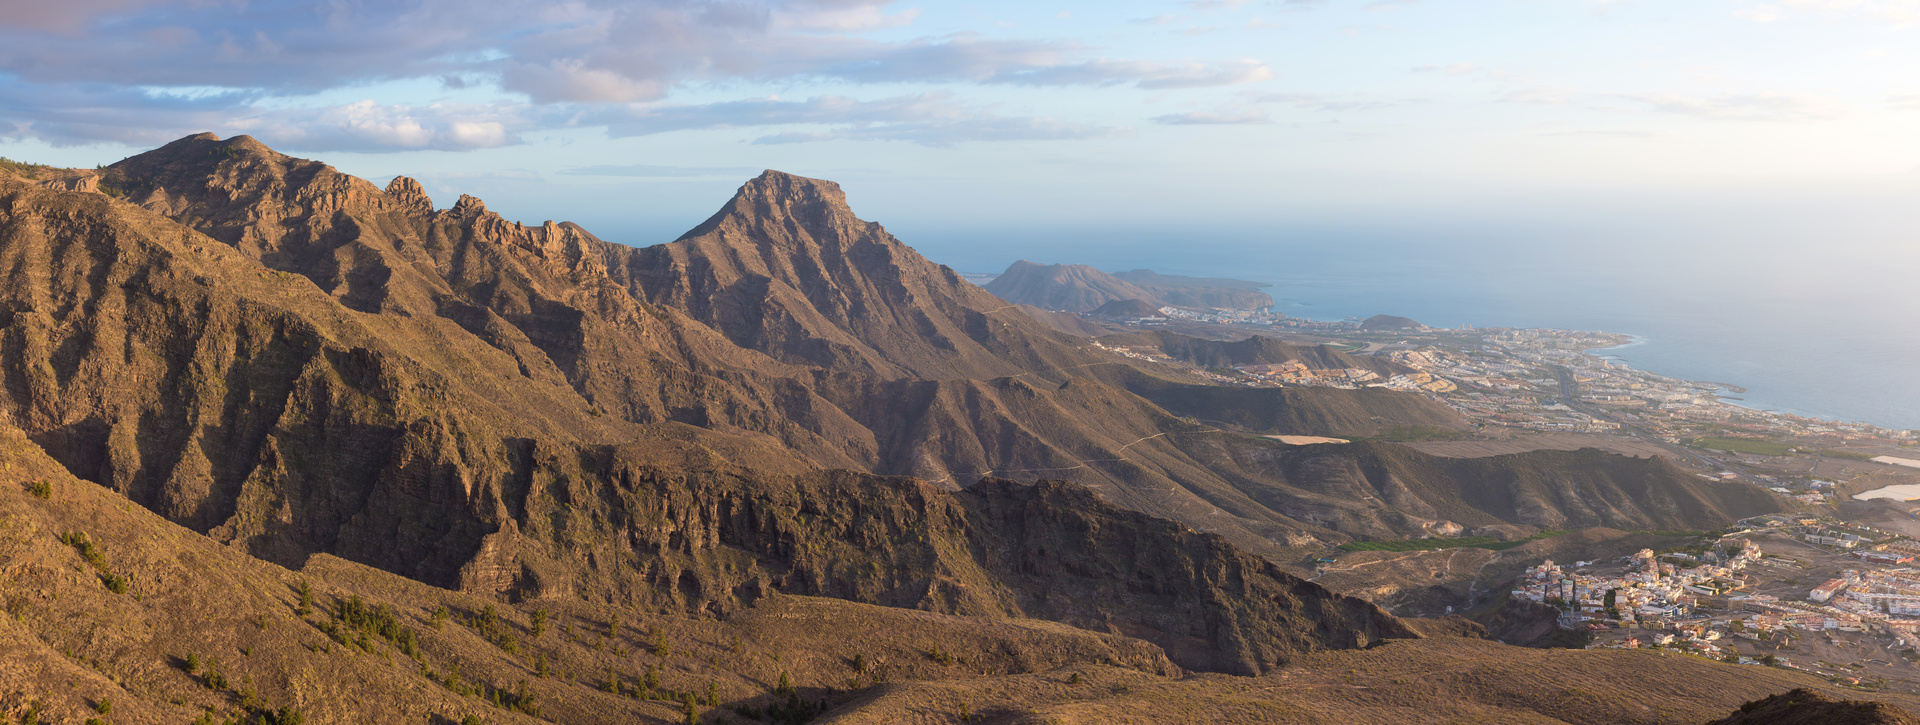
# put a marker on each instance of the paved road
(1570, 394)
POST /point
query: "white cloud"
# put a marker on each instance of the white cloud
(1897, 12)
(1766, 106)
(1327, 101)
(1214, 118)
(195, 60)
(932, 119)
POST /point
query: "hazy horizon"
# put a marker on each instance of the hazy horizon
(1619, 158)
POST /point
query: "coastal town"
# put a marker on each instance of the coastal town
(1513, 382)
(1800, 591)
(1831, 587)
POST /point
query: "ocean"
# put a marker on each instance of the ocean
(1829, 334)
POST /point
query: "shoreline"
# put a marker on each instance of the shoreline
(1755, 406)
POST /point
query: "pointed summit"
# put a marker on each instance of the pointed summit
(409, 194)
(788, 269)
(814, 204)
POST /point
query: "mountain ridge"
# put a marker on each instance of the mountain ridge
(347, 371)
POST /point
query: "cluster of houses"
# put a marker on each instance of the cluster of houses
(1650, 588)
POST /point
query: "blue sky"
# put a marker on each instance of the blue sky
(977, 130)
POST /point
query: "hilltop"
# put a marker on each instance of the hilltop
(1080, 288)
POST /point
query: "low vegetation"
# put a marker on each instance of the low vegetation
(20, 167)
(1414, 434)
(97, 558)
(1477, 542)
(1754, 446)
(355, 623)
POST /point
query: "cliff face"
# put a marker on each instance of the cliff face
(1207, 603)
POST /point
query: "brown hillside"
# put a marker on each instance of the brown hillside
(533, 330)
(1065, 287)
(1806, 707)
(297, 363)
(70, 643)
(1125, 309)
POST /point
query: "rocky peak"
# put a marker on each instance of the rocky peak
(409, 195)
(806, 208)
(468, 207)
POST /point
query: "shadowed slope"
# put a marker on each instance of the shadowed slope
(1806, 707)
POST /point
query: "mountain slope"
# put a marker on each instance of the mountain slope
(70, 643)
(1254, 350)
(787, 269)
(297, 362)
(1065, 287)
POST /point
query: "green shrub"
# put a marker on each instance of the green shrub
(660, 646)
(84, 545)
(104, 706)
(371, 621)
(41, 489)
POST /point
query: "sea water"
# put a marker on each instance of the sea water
(1817, 333)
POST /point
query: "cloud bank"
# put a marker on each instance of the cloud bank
(140, 71)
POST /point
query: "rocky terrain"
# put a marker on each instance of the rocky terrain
(1806, 707)
(225, 349)
(194, 628)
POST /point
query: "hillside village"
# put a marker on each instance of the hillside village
(1744, 598)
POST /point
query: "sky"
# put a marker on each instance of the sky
(1109, 131)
